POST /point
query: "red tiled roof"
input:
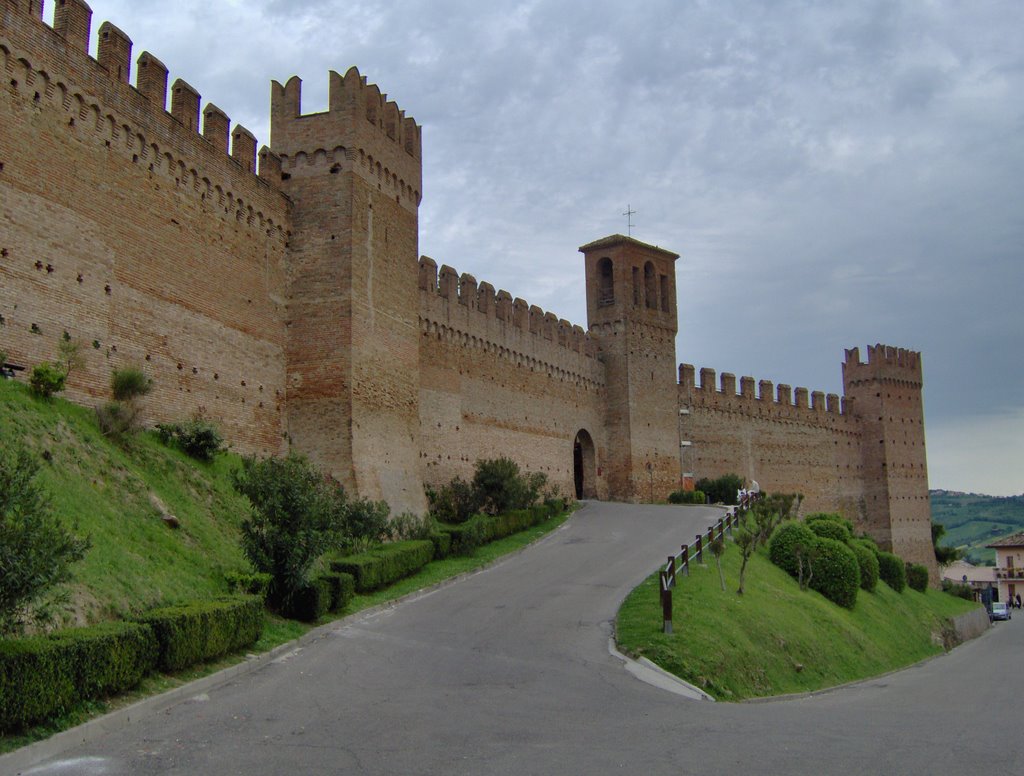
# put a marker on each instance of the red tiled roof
(1014, 540)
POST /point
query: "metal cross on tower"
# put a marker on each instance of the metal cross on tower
(629, 220)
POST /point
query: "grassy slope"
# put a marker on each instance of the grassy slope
(776, 639)
(974, 520)
(105, 490)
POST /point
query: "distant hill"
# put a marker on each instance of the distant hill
(973, 520)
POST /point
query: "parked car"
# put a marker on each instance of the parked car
(1000, 611)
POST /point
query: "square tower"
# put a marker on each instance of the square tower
(631, 313)
(354, 176)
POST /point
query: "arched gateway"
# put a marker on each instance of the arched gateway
(584, 465)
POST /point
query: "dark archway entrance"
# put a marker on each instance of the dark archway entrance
(584, 465)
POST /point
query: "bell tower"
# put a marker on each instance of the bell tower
(631, 313)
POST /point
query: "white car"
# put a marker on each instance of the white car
(1000, 611)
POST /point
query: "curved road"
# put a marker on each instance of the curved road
(508, 672)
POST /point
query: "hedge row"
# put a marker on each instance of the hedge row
(191, 633)
(383, 565)
(481, 529)
(329, 592)
(43, 676)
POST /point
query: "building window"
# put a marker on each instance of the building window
(650, 286)
(664, 294)
(636, 286)
(605, 282)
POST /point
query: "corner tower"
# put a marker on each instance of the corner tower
(631, 313)
(887, 400)
(353, 174)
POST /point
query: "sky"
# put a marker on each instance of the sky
(832, 174)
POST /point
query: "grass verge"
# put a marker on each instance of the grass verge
(776, 639)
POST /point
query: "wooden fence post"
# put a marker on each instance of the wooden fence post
(666, 604)
(684, 558)
(699, 548)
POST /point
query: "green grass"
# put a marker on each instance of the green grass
(776, 639)
(109, 491)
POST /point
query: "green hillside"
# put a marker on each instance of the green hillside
(117, 494)
(973, 520)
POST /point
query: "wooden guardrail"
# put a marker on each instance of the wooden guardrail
(679, 564)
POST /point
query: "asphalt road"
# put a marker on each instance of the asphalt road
(508, 672)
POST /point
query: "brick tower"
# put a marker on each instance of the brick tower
(886, 393)
(631, 313)
(354, 176)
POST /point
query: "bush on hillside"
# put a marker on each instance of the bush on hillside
(687, 497)
(36, 550)
(297, 514)
(829, 530)
(830, 517)
(867, 561)
(958, 589)
(917, 577)
(788, 543)
(129, 383)
(836, 573)
(198, 438)
(47, 379)
(721, 490)
(248, 583)
(892, 571)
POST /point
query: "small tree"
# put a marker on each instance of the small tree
(36, 551)
(806, 554)
(717, 548)
(127, 386)
(501, 487)
(297, 514)
(943, 555)
(745, 534)
(46, 379)
(69, 354)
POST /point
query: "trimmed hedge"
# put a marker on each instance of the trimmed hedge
(892, 571)
(248, 583)
(43, 676)
(481, 528)
(829, 529)
(202, 630)
(867, 560)
(830, 517)
(783, 543)
(442, 541)
(385, 564)
(310, 602)
(836, 573)
(917, 577)
(342, 587)
(687, 497)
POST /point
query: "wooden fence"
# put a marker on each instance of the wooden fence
(679, 564)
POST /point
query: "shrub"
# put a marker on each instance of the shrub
(784, 544)
(197, 438)
(721, 490)
(42, 676)
(455, 502)
(296, 516)
(867, 561)
(386, 564)
(409, 526)
(917, 577)
(892, 571)
(342, 587)
(836, 573)
(248, 583)
(367, 522)
(116, 418)
(500, 486)
(830, 517)
(686, 497)
(829, 530)
(442, 541)
(958, 589)
(47, 379)
(310, 602)
(129, 383)
(464, 538)
(192, 633)
(36, 550)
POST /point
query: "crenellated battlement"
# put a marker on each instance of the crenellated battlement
(361, 127)
(885, 363)
(781, 400)
(52, 66)
(504, 324)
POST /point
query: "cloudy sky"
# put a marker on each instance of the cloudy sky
(833, 174)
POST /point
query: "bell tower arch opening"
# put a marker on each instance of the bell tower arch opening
(584, 465)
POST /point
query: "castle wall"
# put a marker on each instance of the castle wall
(777, 437)
(136, 235)
(499, 377)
